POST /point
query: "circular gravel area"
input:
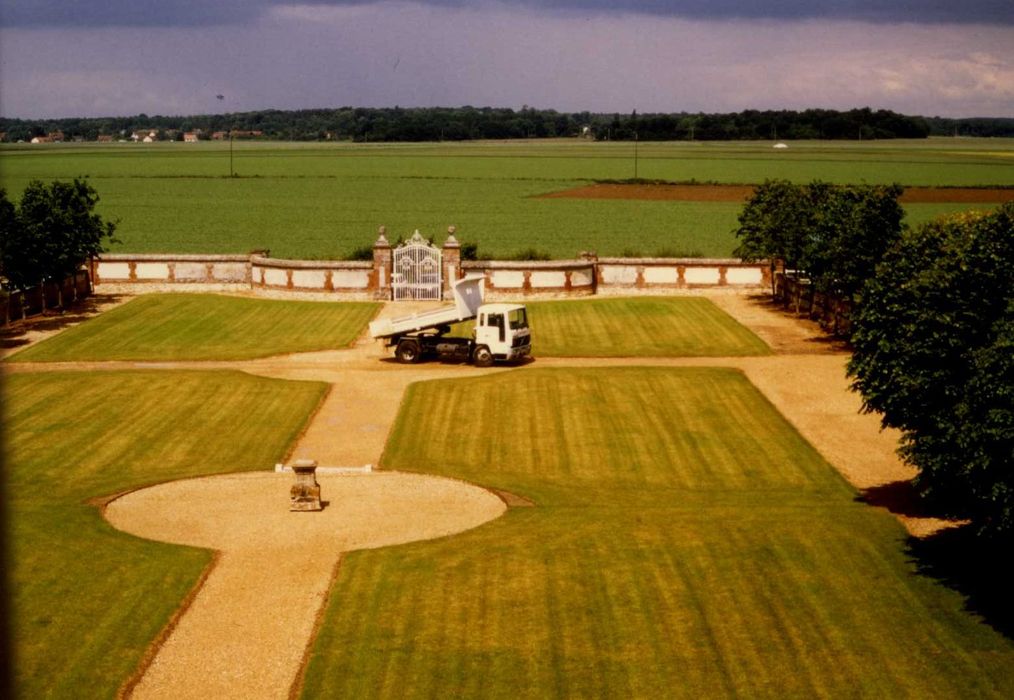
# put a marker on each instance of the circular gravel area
(246, 632)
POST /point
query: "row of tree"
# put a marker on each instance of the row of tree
(834, 234)
(933, 340)
(50, 233)
(932, 328)
(465, 123)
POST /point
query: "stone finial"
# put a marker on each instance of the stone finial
(451, 241)
(382, 238)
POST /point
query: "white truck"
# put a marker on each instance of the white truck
(501, 330)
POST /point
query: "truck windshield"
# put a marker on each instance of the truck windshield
(518, 319)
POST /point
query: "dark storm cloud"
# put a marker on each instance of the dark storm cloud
(128, 13)
(177, 13)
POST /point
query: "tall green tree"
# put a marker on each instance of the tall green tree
(833, 234)
(776, 223)
(933, 339)
(852, 228)
(54, 230)
(21, 255)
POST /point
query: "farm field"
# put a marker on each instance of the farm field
(684, 542)
(205, 327)
(325, 200)
(87, 599)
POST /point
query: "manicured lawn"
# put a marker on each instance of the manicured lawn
(639, 327)
(685, 542)
(205, 327)
(87, 599)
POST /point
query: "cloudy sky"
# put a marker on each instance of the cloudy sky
(121, 57)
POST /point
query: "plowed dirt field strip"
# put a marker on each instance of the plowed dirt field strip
(241, 636)
(741, 193)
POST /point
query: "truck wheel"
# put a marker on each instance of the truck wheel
(482, 357)
(407, 352)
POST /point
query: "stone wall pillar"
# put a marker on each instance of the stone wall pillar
(451, 256)
(383, 264)
(592, 257)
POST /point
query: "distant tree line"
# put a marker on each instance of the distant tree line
(984, 127)
(361, 124)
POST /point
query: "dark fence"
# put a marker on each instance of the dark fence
(797, 293)
(25, 303)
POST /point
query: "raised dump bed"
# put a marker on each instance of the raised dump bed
(468, 294)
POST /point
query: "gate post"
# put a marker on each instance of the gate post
(452, 261)
(380, 279)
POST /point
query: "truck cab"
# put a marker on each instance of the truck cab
(501, 330)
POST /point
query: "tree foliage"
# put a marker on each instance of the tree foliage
(52, 231)
(835, 235)
(776, 223)
(853, 227)
(933, 345)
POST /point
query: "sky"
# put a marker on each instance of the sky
(63, 58)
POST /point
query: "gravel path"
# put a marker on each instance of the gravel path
(247, 629)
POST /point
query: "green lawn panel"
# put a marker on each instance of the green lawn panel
(87, 600)
(685, 542)
(639, 327)
(205, 327)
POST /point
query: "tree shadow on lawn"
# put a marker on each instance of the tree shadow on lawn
(821, 339)
(898, 497)
(17, 333)
(973, 567)
(955, 557)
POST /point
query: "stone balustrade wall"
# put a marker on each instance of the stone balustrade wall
(584, 276)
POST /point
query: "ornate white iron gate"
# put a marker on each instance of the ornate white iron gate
(416, 270)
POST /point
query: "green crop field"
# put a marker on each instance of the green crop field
(205, 327)
(684, 542)
(324, 200)
(639, 327)
(87, 599)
